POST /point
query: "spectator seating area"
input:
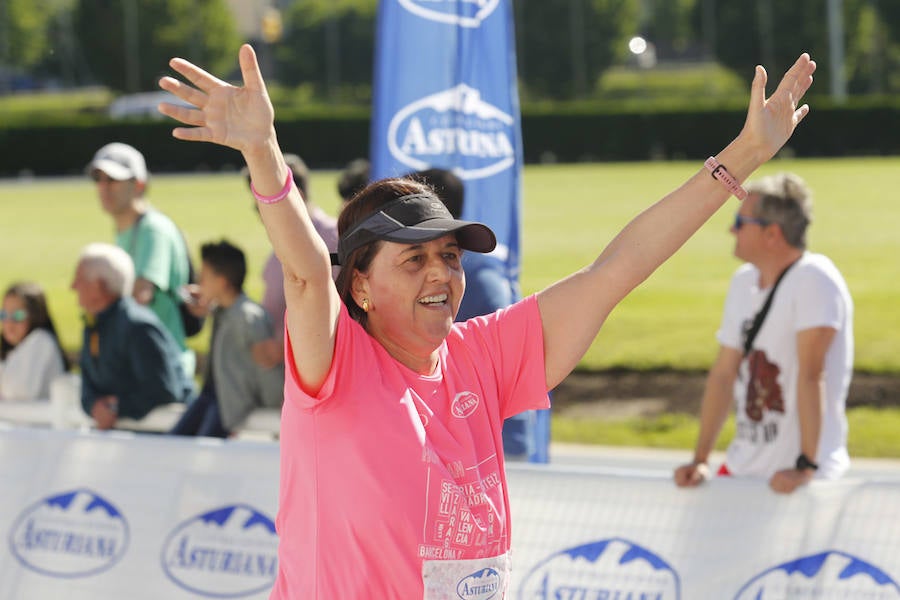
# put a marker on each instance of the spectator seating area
(63, 411)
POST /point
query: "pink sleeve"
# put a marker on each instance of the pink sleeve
(512, 339)
(343, 344)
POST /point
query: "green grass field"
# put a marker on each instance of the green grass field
(872, 432)
(570, 213)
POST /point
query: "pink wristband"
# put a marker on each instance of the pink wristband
(720, 173)
(277, 197)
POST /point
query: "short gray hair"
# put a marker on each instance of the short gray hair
(786, 200)
(111, 265)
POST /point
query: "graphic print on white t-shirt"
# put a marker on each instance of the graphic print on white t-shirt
(763, 390)
(764, 398)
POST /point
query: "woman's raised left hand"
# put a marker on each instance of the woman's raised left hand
(771, 121)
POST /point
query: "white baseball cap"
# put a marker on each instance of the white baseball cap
(120, 162)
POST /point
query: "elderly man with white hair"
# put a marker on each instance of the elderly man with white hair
(130, 363)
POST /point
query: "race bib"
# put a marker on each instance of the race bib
(473, 579)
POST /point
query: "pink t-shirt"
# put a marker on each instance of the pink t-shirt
(387, 474)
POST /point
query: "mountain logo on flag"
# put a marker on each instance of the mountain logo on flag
(457, 127)
(462, 13)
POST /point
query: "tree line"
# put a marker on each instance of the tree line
(325, 47)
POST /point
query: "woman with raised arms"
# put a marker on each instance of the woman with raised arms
(392, 473)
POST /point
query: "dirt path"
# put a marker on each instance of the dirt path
(623, 393)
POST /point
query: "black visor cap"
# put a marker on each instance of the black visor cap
(413, 219)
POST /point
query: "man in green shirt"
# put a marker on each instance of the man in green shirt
(151, 238)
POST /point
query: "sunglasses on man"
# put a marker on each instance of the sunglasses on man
(741, 220)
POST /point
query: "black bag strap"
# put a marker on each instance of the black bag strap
(751, 330)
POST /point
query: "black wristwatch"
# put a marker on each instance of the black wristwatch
(803, 463)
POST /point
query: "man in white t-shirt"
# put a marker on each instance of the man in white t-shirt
(786, 369)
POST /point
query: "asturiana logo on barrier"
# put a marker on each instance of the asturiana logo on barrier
(483, 584)
(830, 574)
(228, 552)
(72, 534)
(611, 568)
(464, 13)
(459, 125)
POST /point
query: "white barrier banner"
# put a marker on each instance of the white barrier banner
(94, 516)
(138, 517)
(579, 535)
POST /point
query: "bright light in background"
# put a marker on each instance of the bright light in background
(637, 45)
(644, 52)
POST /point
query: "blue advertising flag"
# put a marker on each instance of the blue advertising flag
(445, 96)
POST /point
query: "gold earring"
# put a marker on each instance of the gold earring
(365, 305)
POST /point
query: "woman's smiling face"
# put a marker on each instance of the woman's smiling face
(414, 292)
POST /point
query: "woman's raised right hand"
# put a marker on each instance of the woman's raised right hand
(238, 117)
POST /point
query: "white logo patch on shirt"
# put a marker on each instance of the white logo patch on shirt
(464, 404)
